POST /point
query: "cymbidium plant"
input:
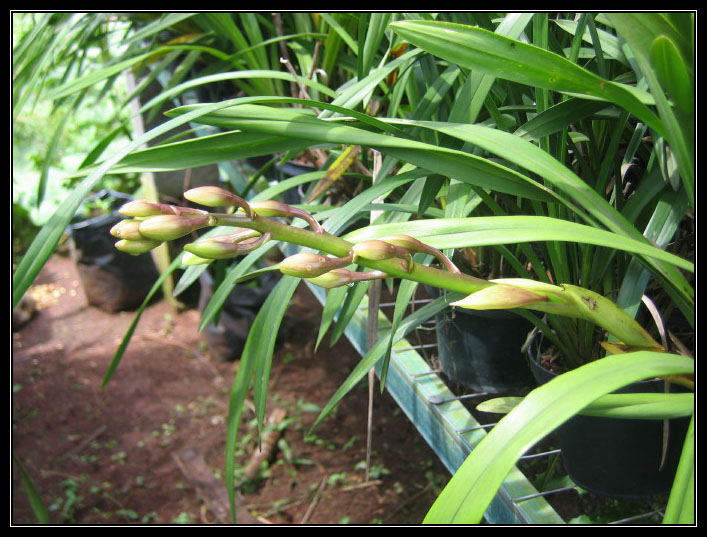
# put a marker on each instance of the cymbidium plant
(392, 256)
(640, 356)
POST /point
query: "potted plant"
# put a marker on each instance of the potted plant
(651, 51)
(112, 281)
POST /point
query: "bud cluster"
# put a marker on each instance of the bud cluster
(152, 223)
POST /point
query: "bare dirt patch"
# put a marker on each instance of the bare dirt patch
(149, 448)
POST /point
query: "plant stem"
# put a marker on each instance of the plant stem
(338, 247)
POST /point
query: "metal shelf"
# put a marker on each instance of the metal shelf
(445, 423)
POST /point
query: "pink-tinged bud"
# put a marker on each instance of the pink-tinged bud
(339, 277)
(309, 265)
(170, 226)
(127, 229)
(144, 208)
(137, 247)
(227, 246)
(275, 208)
(411, 244)
(213, 196)
(376, 250)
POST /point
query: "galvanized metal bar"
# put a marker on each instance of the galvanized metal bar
(412, 383)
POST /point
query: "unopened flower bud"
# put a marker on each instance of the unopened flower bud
(170, 226)
(127, 229)
(140, 208)
(376, 250)
(500, 296)
(227, 246)
(276, 208)
(144, 208)
(189, 259)
(137, 247)
(213, 196)
(411, 244)
(339, 277)
(310, 265)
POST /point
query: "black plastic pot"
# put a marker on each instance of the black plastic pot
(112, 280)
(619, 458)
(481, 350)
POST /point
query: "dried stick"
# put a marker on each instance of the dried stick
(270, 438)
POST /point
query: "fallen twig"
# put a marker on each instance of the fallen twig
(315, 501)
(270, 438)
(86, 441)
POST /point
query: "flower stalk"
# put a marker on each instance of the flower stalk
(387, 257)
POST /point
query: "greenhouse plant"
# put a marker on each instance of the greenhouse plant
(535, 120)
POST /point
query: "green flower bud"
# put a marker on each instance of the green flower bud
(309, 265)
(139, 208)
(127, 229)
(500, 296)
(376, 250)
(275, 208)
(171, 226)
(137, 247)
(189, 259)
(227, 246)
(213, 196)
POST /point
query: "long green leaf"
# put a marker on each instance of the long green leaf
(334, 299)
(165, 22)
(463, 166)
(476, 48)
(264, 334)
(35, 499)
(473, 486)
(257, 341)
(647, 406)
(681, 504)
(486, 230)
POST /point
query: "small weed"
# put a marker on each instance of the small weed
(127, 514)
(149, 517)
(181, 518)
(67, 505)
(119, 457)
(375, 472)
(334, 479)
